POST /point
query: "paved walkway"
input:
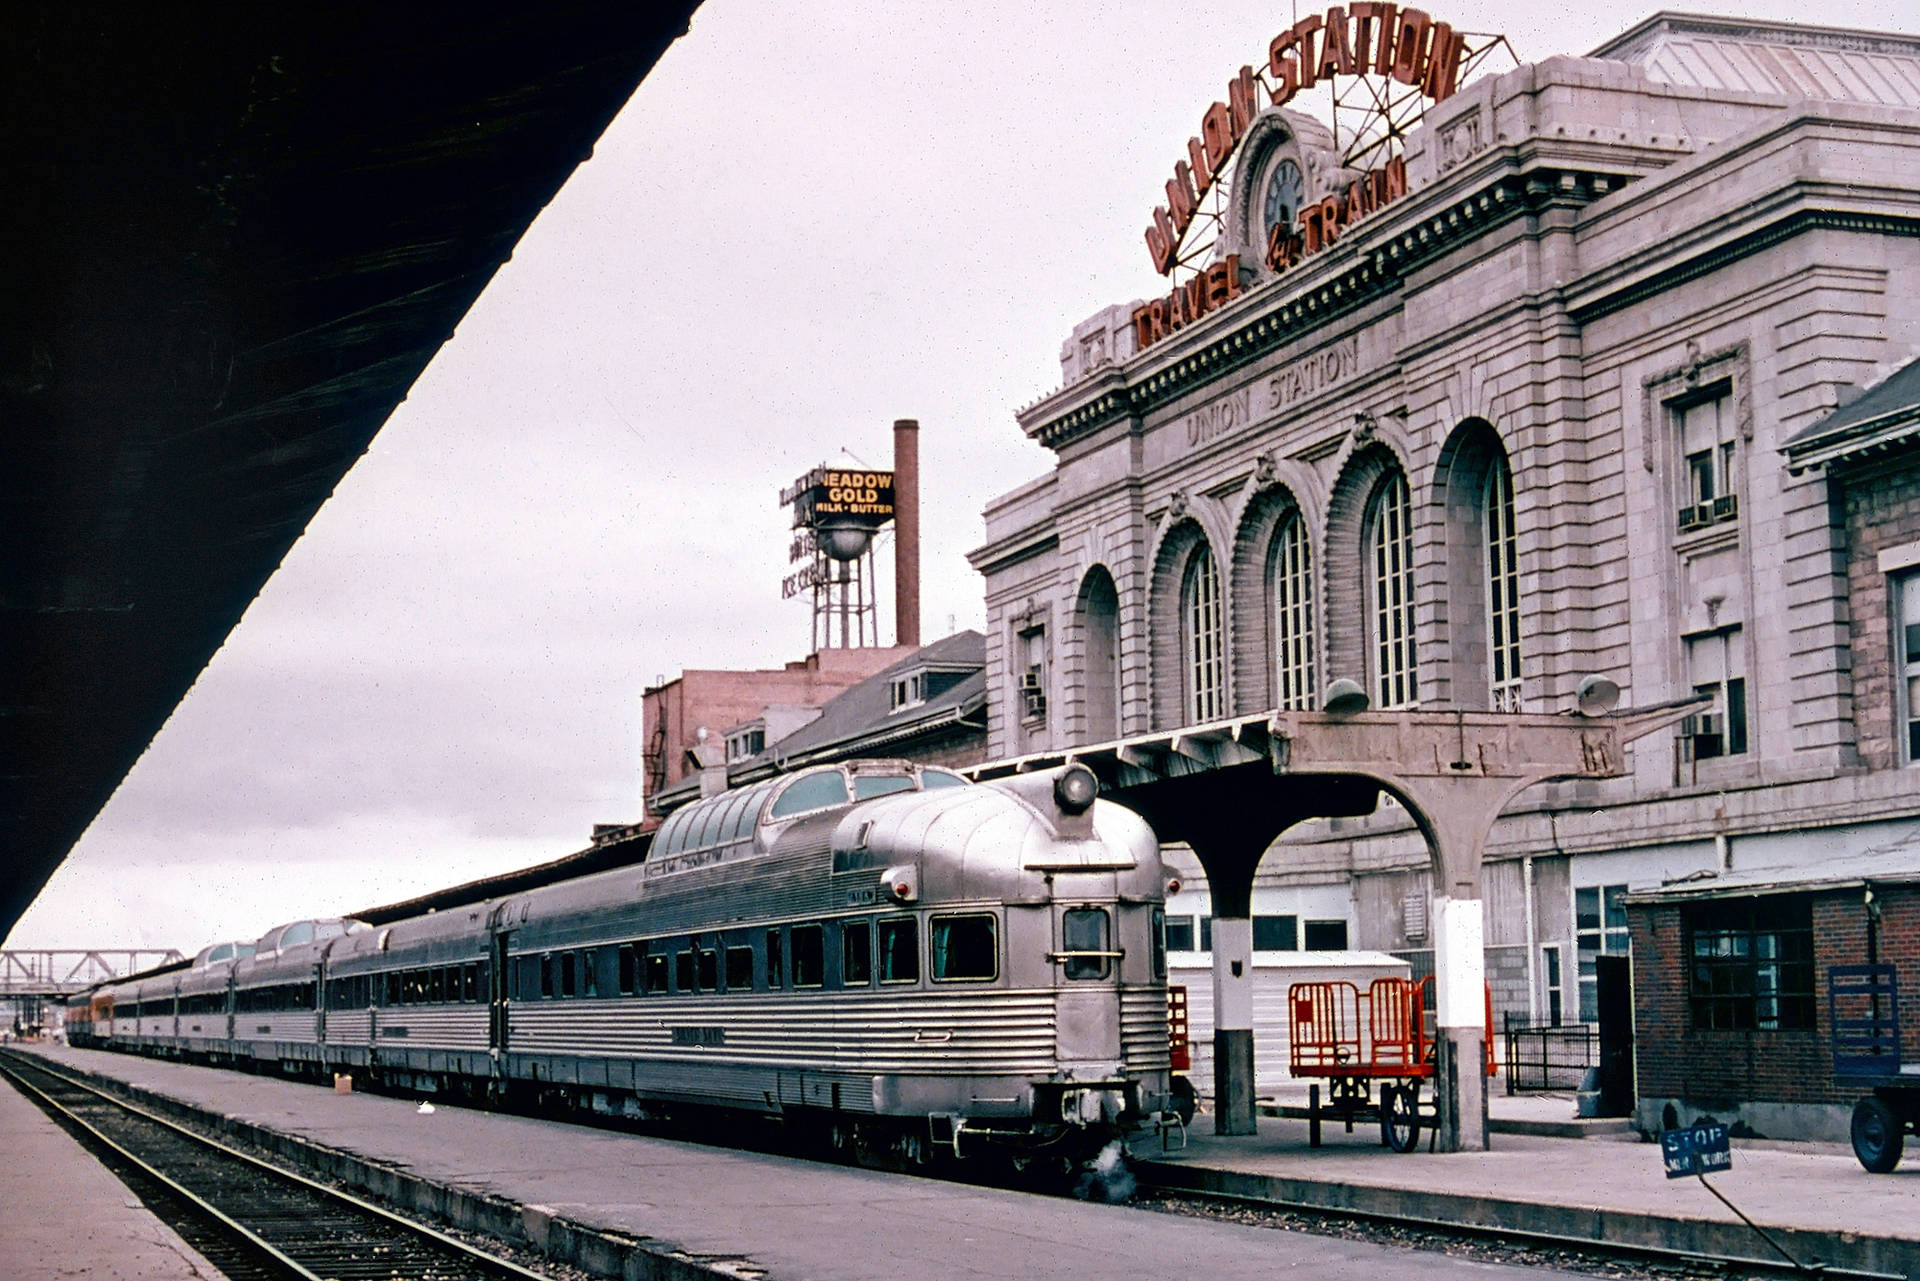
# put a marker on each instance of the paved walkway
(725, 1213)
(601, 1197)
(64, 1215)
(1610, 1185)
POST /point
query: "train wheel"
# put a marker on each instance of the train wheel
(1878, 1135)
(1400, 1116)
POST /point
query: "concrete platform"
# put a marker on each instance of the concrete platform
(1815, 1198)
(66, 1215)
(621, 1204)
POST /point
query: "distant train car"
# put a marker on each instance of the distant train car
(880, 953)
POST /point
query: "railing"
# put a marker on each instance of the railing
(1540, 1057)
(64, 971)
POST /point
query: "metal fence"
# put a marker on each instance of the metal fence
(1541, 1057)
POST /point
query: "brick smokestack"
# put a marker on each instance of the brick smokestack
(906, 531)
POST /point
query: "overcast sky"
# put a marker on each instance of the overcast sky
(806, 224)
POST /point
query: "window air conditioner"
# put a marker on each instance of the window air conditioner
(1691, 516)
(1726, 507)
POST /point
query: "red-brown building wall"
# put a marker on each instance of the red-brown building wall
(1881, 507)
(1715, 1068)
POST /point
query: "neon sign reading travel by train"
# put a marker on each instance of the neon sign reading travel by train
(1365, 38)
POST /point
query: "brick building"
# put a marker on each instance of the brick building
(928, 706)
(1584, 399)
(685, 721)
(1731, 1016)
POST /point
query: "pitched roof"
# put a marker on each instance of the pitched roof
(1886, 415)
(863, 715)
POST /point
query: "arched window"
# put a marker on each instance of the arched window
(1100, 638)
(1202, 638)
(1390, 594)
(1290, 580)
(1503, 588)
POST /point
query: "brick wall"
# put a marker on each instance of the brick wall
(1715, 1068)
(1882, 510)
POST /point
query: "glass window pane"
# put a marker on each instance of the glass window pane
(1276, 933)
(869, 786)
(964, 947)
(899, 951)
(776, 963)
(1085, 932)
(739, 969)
(655, 968)
(1180, 934)
(809, 955)
(1159, 943)
(812, 791)
(856, 953)
(1326, 936)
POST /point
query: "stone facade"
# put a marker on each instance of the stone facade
(1623, 291)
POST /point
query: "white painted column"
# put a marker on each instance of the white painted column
(1460, 1013)
(1233, 1085)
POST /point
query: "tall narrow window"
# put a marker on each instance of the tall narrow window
(1715, 666)
(1710, 459)
(1599, 928)
(1391, 565)
(1906, 653)
(1503, 590)
(1290, 571)
(1100, 624)
(1206, 662)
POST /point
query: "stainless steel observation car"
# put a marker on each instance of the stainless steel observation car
(879, 952)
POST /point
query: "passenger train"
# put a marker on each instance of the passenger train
(878, 953)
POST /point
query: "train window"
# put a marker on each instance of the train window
(683, 970)
(739, 969)
(856, 953)
(899, 951)
(1159, 943)
(809, 955)
(629, 968)
(812, 792)
(672, 832)
(392, 994)
(1086, 934)
(965, 948)
(436, 986)
(590, 972)
(470, 981)
(298, 932)
(709, 970)
(569, 977)
(776, 966)
(546, 974)
(656, 971)
(869, 786)
(932, 778)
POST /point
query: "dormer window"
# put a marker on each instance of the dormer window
(908, 691)
(746, 743)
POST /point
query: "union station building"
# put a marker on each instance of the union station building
(1615, 378)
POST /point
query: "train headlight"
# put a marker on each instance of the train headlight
(1075, 789)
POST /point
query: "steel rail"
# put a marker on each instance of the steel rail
(11, 1068)
(1525, 1236)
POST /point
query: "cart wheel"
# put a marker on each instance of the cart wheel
(1400, 1116)
(1878, 1135)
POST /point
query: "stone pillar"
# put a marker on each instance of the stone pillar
(1233, 1094)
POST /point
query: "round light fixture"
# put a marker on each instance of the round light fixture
(1595, 696)
(1345, 698)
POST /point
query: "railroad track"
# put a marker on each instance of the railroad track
(250, 1219)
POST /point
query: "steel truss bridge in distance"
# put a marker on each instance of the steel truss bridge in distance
(60, 972)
